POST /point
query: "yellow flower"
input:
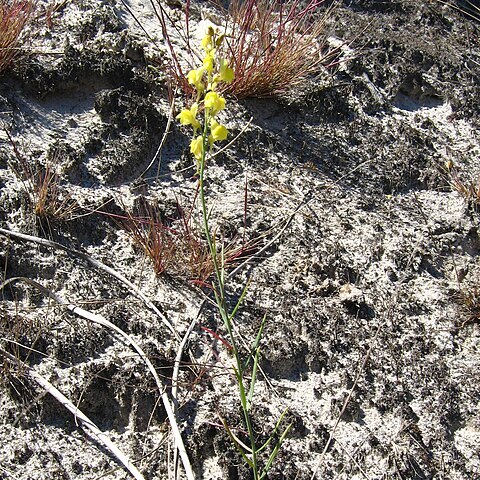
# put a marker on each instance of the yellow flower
(189, 117)
(217, 132)
(207, 42)
(195, 77)
(226, 73)
(214, 102)
(196, 147)
(209, 61)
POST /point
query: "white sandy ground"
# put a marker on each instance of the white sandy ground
(284, 283)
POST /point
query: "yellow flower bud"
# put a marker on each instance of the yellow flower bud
(226, 73)
(214, 102)
(196, 147)
(188, 117)
(207, 42)
(208, 39)
(219, 40)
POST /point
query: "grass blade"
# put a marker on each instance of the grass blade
(277, 426)
(256, 343)
(256, 347)
(253, 380)
(240, 301)
(233, 438)
(274, 453)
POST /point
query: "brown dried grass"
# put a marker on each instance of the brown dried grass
(274, 46)
(175, 246)
(42, 183)
(468, 189)
(14, 17)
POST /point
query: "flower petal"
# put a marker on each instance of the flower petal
(188, 117)
(195, 77)
(226, 73)
(218, 132)
(196, 147)
(214, 102)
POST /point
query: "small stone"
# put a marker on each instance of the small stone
(349, 293)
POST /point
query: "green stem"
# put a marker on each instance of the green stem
(219, 291)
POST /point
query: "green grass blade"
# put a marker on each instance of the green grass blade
(240, 300)
(233, 438)
(253, 380)
(241, 388)
(277, 426)
(256, 343)
(259, 334)
(222, 266)
(274, 453)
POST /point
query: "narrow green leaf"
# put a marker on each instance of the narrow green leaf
(274, 453)
(240, 300)
(253, 380)
(256, 343)
(222, 266)
(260, 333)
(277, 426)
(233, 438)
(241, 387)
(209, 213)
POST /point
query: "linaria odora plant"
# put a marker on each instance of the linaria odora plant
(213, 73)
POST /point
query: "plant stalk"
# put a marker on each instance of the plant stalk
(219, 291)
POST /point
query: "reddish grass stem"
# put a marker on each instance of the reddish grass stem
(14, 16)
(274, 46)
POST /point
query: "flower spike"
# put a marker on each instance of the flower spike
(205, 80)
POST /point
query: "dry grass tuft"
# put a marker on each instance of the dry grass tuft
(14, 16)
(46, 196)
(469, 300)
(175, 246)
(50, 201)
(468, 189)
(148, 231)
(274, 46)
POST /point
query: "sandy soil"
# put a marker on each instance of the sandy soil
(363, 253)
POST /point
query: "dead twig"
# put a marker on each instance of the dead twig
(96, 263)
(104, 322)
(162, 141)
